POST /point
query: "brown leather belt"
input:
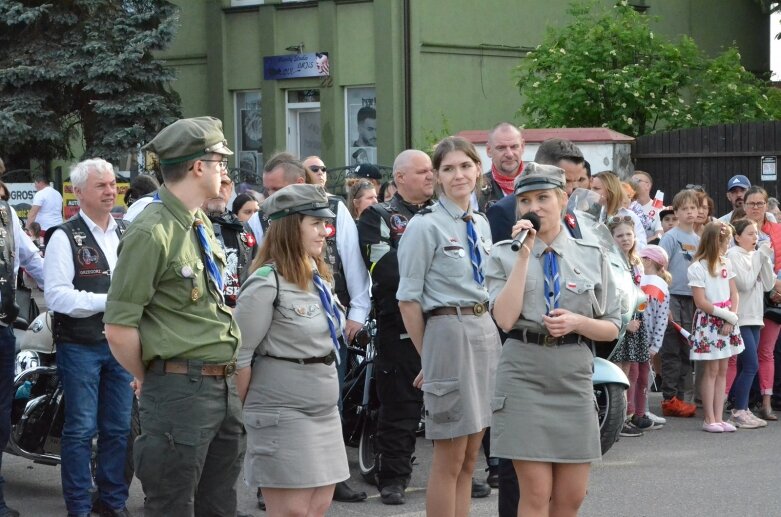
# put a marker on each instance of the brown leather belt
(477, 309)
(182, 367)
(327, 360)
(534, 338)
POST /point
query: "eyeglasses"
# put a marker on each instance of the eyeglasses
(318, 168)
(618, 219)
(223, 164)
(756, 204)
(692, 186)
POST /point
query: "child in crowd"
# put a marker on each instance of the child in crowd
(716, 336)
(680, 244)
(753, 276)
(655, 284)
(632, 354)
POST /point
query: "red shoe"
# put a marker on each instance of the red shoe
(678, 408)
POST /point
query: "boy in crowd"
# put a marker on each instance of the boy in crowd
(680, 243)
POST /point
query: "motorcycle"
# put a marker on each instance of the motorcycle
(38, 412)
(610, 383)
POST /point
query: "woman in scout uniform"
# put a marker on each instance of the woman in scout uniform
(289, 317)
(443, 301)
(549, 296)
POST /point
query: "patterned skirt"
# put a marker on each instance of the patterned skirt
(634, 347)
(708, 344)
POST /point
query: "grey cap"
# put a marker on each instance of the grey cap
(536, 176)
(299, 198)
(189, 138)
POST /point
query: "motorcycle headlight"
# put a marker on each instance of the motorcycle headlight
(25, 360)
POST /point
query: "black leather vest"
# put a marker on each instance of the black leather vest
(234, 235)
(91, 274)
(8, 308)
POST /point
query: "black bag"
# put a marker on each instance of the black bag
(772, 310)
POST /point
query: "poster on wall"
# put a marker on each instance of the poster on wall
(361, 113)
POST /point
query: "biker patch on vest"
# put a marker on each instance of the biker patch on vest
(88, 258)
(398, 223)
(330, 229)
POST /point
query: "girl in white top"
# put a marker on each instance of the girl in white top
(715, 337)
(753, 276)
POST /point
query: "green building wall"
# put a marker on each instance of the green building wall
(461, 55)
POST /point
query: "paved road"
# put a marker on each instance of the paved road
(666, 472)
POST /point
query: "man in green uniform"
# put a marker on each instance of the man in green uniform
(168, 325)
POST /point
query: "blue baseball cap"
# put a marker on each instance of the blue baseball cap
(738, 180)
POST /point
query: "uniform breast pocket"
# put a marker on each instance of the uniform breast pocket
(300, 310)
(190, 281)
(450, 260)
(580, 296)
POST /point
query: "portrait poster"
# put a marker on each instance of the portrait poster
(361, 124)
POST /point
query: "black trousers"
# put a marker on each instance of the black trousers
(396, 366)
(509, 493)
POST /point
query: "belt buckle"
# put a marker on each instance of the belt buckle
(329, 359)
(230, 369)
(549, 340)
(478, 309)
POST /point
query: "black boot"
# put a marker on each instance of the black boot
(344, 494)
(480, 489)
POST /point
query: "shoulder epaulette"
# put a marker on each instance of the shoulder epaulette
(264, 271)
(424, 211)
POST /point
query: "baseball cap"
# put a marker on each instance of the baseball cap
(368, 170)
(738, 180)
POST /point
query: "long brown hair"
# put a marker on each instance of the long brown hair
(283, 247)
(714, 236)
(613, 192)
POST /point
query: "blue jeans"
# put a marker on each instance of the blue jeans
(748, 366)
(7, 358)
(98, 398)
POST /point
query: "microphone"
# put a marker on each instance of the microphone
(518, 240)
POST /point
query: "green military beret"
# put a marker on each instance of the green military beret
(298, 198)
(536, 176)
(189, 138)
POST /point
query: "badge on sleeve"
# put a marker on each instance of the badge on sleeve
(195, 294)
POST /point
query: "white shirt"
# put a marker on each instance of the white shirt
(60, 294)
(650, 211)
(726, 218)
(50, 211)
(355, 274)
(136, 208)
(26, 253)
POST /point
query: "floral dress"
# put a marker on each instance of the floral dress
(634, 346)
(706, 341)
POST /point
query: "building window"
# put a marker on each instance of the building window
(249, 134)
(242, 3)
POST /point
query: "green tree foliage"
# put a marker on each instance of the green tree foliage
(83, 68)
(607, 68)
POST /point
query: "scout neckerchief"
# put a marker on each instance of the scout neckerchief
(474, 251)
(506, 183)
(331, 311)
(552, 289)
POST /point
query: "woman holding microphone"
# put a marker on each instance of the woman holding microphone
(550, 297)
(443, 301)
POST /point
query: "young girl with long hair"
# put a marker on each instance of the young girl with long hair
(715, 337)
(632, 354)
(753, 276)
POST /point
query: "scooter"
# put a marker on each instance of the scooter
(38, 414)
(610, 383)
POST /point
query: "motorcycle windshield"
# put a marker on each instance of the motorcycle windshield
(591, 215)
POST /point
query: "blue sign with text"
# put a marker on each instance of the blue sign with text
(294, 66)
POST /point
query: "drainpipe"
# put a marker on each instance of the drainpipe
(407, 77)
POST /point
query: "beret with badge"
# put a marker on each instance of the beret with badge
(189, 138)
(299, 198)
(536, 176)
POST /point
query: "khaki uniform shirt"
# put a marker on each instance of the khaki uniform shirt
(586, 286)
(297, 328)
(160, 286)
(435, 269)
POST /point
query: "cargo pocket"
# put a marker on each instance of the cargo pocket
(497, 403)
(262, 432)
(443, 400)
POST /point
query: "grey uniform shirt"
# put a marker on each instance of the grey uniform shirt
(297, 328)
(435, 269)
(584, 278)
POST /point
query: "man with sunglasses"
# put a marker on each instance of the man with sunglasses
(167, 323)
(316, 166)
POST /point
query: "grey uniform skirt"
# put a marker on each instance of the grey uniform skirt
(544, 408)
(459, 361)
(294, 433)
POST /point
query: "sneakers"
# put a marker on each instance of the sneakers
(630, 431)
(677, 407)
(743, 419)
(714, 427)
(644, 423)
(655, 419)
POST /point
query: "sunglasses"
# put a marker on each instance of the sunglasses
(692, 186)
(318, 168)
(618, 219)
